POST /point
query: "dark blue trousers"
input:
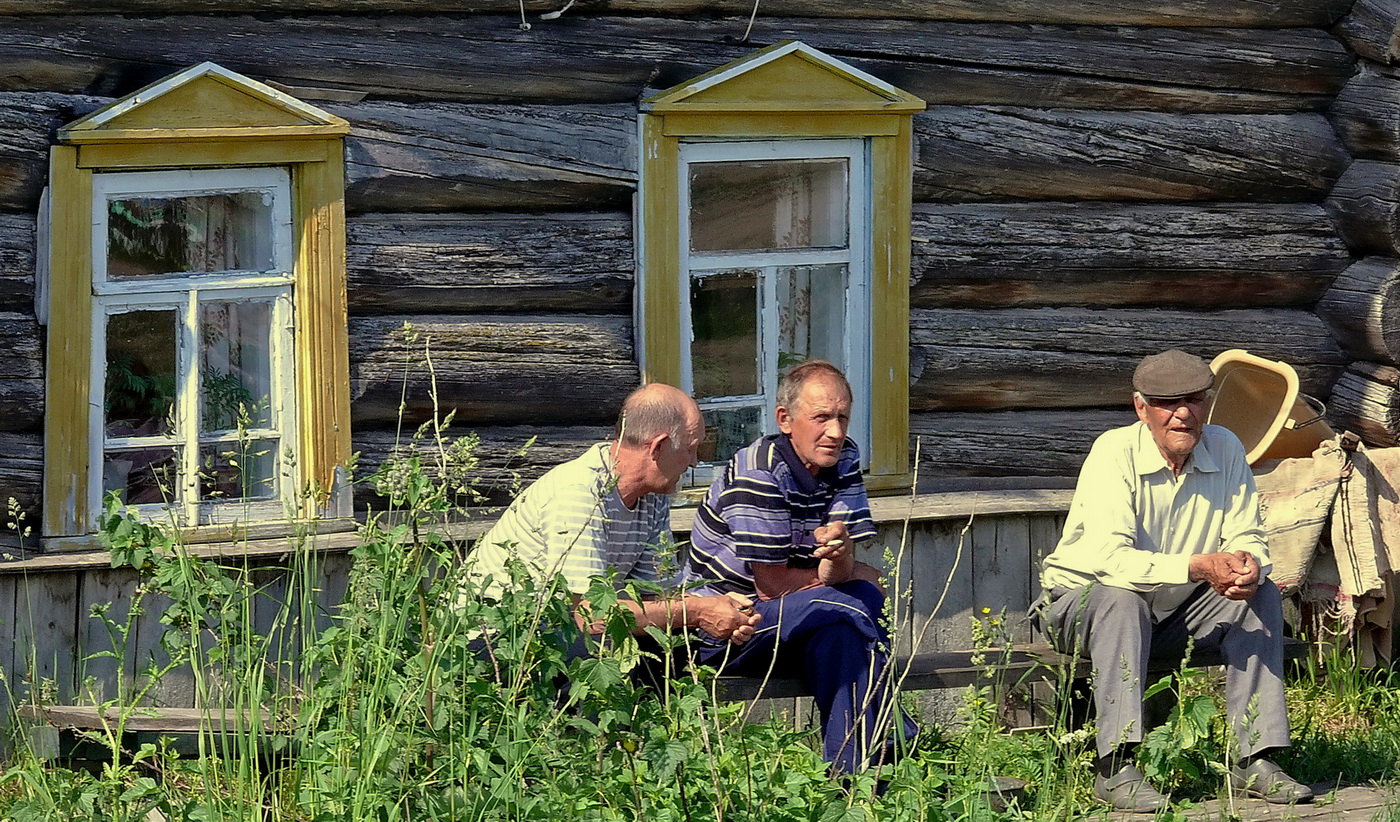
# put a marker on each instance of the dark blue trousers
(832, 638)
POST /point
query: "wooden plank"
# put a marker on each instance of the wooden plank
(613, 58)
(971, 154)
(21, 372)
(1362, 308)
(1366, 400)
(1078, 357)
(26, 121)
(173, 720)
(45, 634)
(441, 156)
(176, 687)
(493, 369)
(444, 263)
(1366, 114)
(1371, 28)
(1366, 207)
(1039, 443)
(501, 469)
(16, 262)
(21, 477)
(1093, 12)
(1000, 255)
(10, 674)
(105, 678)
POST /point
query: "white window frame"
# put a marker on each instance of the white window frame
(184, 293)
(855, 256)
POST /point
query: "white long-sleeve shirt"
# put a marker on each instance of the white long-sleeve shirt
(1135, 524)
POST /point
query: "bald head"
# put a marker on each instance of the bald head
(653, 409)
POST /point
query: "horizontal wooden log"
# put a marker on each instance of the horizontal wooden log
(442, 157)
(453, 157)
(1236, 255)
(492, 369)
(1366, 401)
(1009, 443)
(21, 477)
(400, 263)
(1366, 207)
(582, 58)
(16, 262)
(21, 372)
(505, 462)
(1370, 29)
(1366, 114)
(1002, 153)
(1247, 13)
(963, 359)
(1362, 307)
(27, 123)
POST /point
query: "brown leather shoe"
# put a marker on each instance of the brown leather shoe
(1265, 780)
(1129, 790)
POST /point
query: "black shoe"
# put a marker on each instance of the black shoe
(1129, 790)
(1267, 781)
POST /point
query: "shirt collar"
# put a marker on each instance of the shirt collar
(1149, 460)
(802, 477)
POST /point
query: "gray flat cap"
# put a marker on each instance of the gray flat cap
(1172, 374)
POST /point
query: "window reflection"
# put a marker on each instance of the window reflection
(776, 204)
(148, 236)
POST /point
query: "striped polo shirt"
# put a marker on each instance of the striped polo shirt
(764, 508)
(571, 521)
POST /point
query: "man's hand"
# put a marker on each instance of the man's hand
(836, 552)
(1233, 575)
(730, 616)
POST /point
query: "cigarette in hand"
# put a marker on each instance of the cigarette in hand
(834, 543)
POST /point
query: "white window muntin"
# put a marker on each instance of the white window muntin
(273, 183)
(186, 436)
(855, 255)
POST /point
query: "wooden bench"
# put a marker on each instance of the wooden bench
(65, 731)
(957, 669)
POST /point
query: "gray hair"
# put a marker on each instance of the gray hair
(793, 382)
(655, 408)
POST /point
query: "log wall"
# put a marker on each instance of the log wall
(1092, 182)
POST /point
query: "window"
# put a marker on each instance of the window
(191, 281)
(774, 226)
(197, 357)
(774, 240)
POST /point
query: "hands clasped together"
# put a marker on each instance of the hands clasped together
(1233, 574)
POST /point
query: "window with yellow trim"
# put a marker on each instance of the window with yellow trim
(197, 359)
(774, 227)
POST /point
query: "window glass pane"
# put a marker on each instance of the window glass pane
(142, 475)
(235, 365)
(811, 314)
(238, 469)
(740, 206)
(729, 429)
(231, 231)
(139, 396)
(724, 328)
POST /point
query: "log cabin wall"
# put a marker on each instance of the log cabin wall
(1093, 182)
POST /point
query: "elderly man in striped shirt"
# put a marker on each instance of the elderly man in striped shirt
(779, 526)
(609, 509)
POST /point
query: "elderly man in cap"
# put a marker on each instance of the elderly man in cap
(1163, 544)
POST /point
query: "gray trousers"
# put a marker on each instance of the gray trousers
(1115, 630)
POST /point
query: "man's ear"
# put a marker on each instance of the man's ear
(784, 420)
(656, 444)
(1140, 406)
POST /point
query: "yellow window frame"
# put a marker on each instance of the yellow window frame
(788, 91)
(203, 117)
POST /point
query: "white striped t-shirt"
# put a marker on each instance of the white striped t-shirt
(571, 521)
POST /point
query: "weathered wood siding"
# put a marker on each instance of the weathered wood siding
(952, 559)
(1092, 182)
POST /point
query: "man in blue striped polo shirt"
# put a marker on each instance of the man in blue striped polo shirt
(780, 526)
